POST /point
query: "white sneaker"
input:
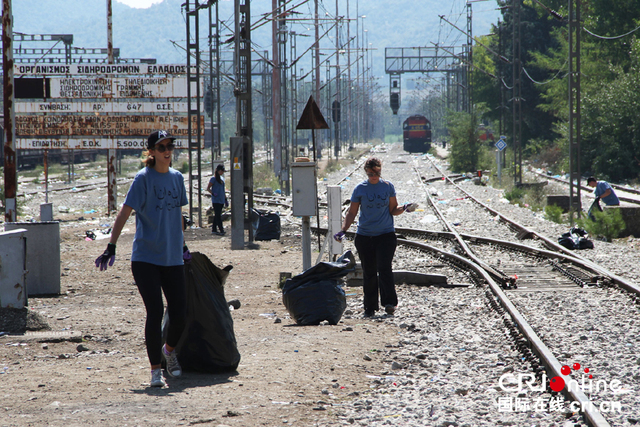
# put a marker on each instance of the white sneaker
(173, 366)
(156, 378)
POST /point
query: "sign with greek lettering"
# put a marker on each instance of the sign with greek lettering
(96, 126)
(86, 70)
(116, 88)
(137, 143)
(78, 106)
(99, 107)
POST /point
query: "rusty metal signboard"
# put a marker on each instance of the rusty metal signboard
(100, 106)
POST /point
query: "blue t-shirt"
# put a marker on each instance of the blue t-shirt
(157, 199)
(375, 218)
(217, 190)
(602, 188)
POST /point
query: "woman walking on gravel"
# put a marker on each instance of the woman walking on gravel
(375, 239)
(157, 260)
(218, 199)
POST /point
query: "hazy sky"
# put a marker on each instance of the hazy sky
(139, 4)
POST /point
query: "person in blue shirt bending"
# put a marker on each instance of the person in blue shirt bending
(603, 191)
(218, 199)
(157, 194)
(375, 239)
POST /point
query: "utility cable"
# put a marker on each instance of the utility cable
(610, 38)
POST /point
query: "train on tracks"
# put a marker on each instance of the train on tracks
(416, 133)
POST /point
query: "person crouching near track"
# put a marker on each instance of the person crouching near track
(604, 192)
(159, 253)
(375, 239)
(218, 199)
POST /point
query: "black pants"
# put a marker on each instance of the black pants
(152, 280)
(376, 256)
(217, 217)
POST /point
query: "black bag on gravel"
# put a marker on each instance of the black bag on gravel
(208, 343)
(266, 225)
(316, 294)
(576, 238)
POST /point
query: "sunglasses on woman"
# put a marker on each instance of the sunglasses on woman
(160, 148)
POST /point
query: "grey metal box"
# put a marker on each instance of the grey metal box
(304, 192)
(43, 256)
(13, 255)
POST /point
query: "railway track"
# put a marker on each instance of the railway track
(512, 273)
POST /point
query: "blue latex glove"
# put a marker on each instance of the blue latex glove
(338, 236)
(186, 255)
(226, 203)
(409, 207)
(108, 257)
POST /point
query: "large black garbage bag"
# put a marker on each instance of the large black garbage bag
(576, 238)
(316, 295)
(208, 343)
(266, 225)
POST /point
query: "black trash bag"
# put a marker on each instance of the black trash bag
(316, 295)
(266, 225)
(576, 238)
(208, 343)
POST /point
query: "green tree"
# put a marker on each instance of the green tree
(465, 142)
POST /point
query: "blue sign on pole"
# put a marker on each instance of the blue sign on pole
(501, 145)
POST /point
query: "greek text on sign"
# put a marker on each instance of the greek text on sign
(139, 143)
(101, 107)
(100, 69)
(89, 125)
(121, 87)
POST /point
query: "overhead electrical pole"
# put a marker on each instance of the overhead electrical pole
(276, 91)
(10, 160)
(574, 107)
(112, 187)
(517, 94)
(317, 74)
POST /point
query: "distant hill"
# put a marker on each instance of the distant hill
(147, 33)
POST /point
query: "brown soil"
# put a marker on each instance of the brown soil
(288, 375)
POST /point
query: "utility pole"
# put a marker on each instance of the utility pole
(574, 108)
(276, 91)
(112, 186)
(517, 94)
(317, 74)
(10, 157)
(336, 123)
(350, 83)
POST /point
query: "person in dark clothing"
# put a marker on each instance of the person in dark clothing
(375, 240)
(218, 199)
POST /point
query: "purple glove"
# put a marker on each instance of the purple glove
(338, 236)
(186, 255)
(226, 203)
(108, 257)
(409, 207)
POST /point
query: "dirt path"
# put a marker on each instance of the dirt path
(288, 375)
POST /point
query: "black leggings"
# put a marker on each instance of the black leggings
(152, 280)
(217, 217)
(376, 256)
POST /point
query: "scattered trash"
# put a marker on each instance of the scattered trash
(90, 235)
(90, 211)
(63, 209)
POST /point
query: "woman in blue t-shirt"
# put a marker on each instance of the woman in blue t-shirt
(375, 240)
(157, 194)
(218, 199)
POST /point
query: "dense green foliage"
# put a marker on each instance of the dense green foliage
(610, 66)
(553, 213)
(465, 142)
(608, 224)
